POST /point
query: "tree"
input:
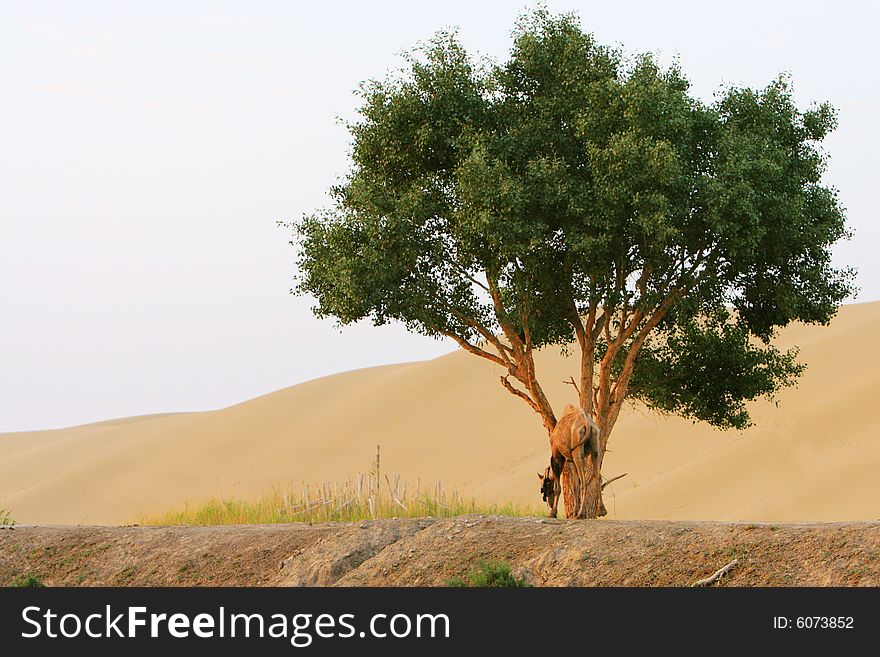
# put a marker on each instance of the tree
(569, 196)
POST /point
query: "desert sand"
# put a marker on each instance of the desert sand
(814, 456)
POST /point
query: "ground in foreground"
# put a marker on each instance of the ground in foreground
(428, 551)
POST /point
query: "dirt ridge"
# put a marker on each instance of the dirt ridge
(428, 551)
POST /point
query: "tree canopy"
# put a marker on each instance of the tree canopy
(571, 194)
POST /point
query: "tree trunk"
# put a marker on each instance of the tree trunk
(593, 506)
(570, 490)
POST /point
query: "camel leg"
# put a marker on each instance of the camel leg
(578, 457)
(579, 461)
(596, 455)
(557, 489)
(594, 444)
(555, 504)
(557, 465)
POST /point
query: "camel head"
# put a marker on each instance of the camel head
(548, 486)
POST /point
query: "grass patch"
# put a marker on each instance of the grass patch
(27, 581)
(488, 574)
(362, 497)
(6, 518)
(127, 573)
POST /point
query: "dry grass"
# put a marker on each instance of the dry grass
(362, 497)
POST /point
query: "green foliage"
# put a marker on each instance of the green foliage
(27, 580)
(568, 178)
(706, 368)
(6, 518)
(488, 574)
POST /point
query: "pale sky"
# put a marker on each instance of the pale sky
(148, 149)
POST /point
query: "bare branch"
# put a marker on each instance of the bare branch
(524, 317)
(464, 272)
(613, 479)
(718, 574)
(502, 349)
(625, 332)
(473, 349)
(621, 385)
(522, 395)
(523, 367)
(611, 399)
(591, 312)
(574, 319)
(597, 328)
(624, 309)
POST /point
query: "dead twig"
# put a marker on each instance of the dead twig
(718, 574)
(572, 383)
(311, 507)
(342, 506)
(605, 483)
(393, 496)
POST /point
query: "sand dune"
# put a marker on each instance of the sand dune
(815, 456)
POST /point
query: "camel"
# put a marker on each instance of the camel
(574, 435)
(551, 490)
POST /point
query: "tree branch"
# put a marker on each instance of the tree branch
(599, 326)
(718, 574)
(500, 314)
(572, 383)
(464, 272)
(586, 346)
(613, 479)
(625, 332)
(524, 318)
(522, 395)
(502, 349)
(523, 368)
(473, 349)
(642, 283)
(621, 385)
